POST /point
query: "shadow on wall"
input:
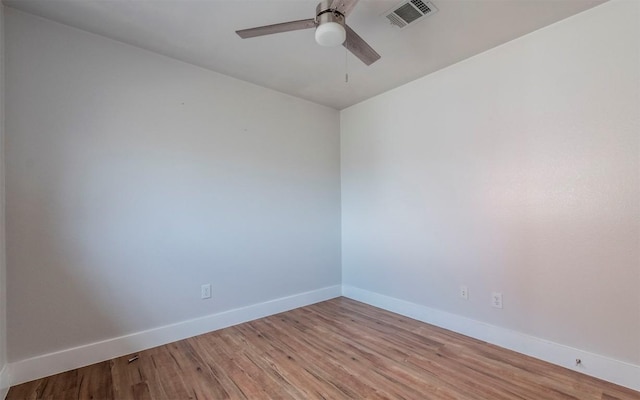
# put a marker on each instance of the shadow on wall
(113, 239)
(133, 179)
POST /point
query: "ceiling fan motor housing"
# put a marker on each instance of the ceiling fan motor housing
(330, 29)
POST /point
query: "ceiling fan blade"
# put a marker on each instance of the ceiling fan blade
(356, 45)
(277, 28)
(344, 6)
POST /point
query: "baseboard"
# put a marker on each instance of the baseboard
(53, 363)
(619, 372)
(5, 381)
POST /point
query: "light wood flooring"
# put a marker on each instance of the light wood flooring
(337, 349)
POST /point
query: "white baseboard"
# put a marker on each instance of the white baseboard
(60, 361)
(619, 372)
(5, 381)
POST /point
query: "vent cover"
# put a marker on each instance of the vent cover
(409, 12)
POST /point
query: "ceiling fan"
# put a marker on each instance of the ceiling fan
(331, 29)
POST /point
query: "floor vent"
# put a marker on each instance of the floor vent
(409, 12)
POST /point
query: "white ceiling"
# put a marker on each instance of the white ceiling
(202, 32)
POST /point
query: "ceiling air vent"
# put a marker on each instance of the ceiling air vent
(409, 12)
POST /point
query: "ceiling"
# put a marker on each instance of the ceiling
(202, 32)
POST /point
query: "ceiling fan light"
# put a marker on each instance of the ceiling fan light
(330, 34)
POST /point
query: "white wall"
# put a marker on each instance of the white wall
(516, 171)
(4, 374)
(132, 179)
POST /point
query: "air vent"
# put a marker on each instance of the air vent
(409, 12)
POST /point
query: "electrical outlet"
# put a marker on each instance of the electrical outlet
(205, 291)
(496, 299)
(464, 292)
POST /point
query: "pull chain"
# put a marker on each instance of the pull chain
(346, 66)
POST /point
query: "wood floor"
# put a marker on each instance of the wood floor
(338, 349)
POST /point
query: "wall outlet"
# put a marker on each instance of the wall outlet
(205, 291)
(464, 292)
(496, 299)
